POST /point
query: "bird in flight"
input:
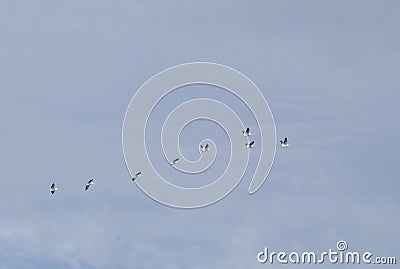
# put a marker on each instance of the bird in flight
(88, 184)
(135, 176)
(250, 145)
(175, 161)
(204, 148)
(246, 132)
(53, 188)
(284, 143)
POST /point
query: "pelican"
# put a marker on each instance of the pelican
(135, 176)
(284, 143)
(246, 132)
(88, 184)
(53, 188)
(175, 161)
(204, 148)
(250, 145)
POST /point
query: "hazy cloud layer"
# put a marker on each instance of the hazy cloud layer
(67, 73)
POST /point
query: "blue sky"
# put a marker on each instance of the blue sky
(329, 71)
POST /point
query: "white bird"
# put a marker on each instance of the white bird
(88, 184)
(250, 145)
(53, 188)
(246, 132)
(204, 148)
(284, 143)
(175, 161)
(135, 176)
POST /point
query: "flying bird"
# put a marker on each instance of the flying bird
(53, 188)
(284, 143)
(204, 148)
(250, 145)
(175, 161)
(88, 184)
(135, 176)
(246, 132)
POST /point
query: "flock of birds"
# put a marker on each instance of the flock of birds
(53, 187)
(203, 148)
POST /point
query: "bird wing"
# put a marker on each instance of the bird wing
(248, 130)
(285, 141)
(53, 185)
(87, 187)
(251, 143)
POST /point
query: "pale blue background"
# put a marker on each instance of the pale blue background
(329, 70)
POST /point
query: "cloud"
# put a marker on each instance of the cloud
(69, 70)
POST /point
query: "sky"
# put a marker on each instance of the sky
(68, 70)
